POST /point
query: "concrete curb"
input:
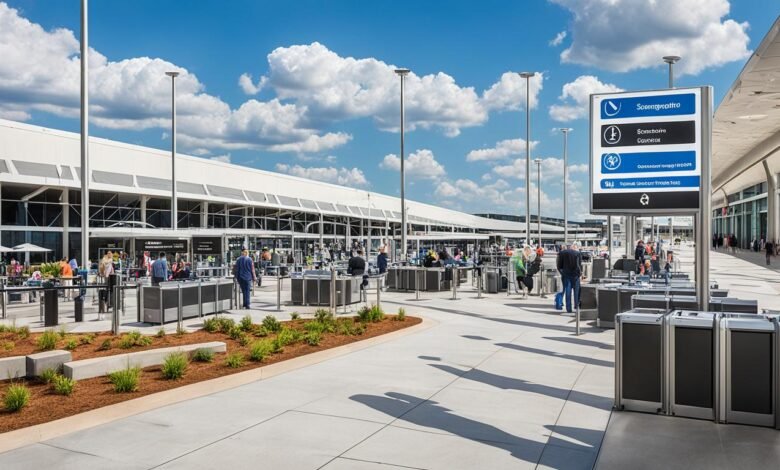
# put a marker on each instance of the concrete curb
(45, 431)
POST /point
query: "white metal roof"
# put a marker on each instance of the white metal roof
(746, 129)
(47, 157)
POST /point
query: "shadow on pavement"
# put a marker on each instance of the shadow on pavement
(438, 417)
(573, 357)
(583, 342)
(509, 383)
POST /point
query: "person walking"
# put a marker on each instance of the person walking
(160, 270)
(518, 264)
(770, 250)
(569, 264)
(244, 272)
(639, 253)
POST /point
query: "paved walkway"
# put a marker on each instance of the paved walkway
(497, 383)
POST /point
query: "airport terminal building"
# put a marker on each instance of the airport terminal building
(746, 149)
(221, 206)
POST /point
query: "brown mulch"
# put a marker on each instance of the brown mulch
(97, 392)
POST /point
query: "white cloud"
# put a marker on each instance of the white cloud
(419, 164)
(552, 169)
(248, 86)
(558, 39)
(624, 35)
(40, 72)
(336, 88)
(446, 190)
(221, 158)
(501, 150)
(576, 97)
(509, 92)
(343, 176)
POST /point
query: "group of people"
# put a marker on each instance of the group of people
(526, 263)
(648, 257)
(719, 240)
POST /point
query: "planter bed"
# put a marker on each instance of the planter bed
(45, 405)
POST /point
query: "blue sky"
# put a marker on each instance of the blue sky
(327, 106)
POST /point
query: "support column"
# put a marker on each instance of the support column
(144, 200)
(246, 218)
(204, 215)
(65, 222)
(227, 217)
(322, 230)
(772, 226)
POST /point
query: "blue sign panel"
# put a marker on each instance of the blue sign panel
(661, 182)
(643, 162)
(678, 104)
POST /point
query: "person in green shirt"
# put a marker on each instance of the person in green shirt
(518, 264)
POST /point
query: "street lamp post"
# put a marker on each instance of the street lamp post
(84, 139)
(527, 76)
(403, 72)
(538, 162)
(174, 203)
(671, 60)
(565, 131)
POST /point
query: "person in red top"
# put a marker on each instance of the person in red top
(66, 273)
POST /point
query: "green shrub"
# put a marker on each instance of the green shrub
(314, 326)
(359, 329)
(8, 345)
(71, 344)
(235, 333)
(161, 333)
(203, 355)
(313, 338)
(323, 315)
(288, 336)
(401, 316)
(48, 375)
(345, 327)
(271, 324)
(16, 397)
(105, 345)
(4, 328)
(181, 331)
(295, 316)
(125, 380)
(63, 385)
(372, 314)
(63, 332)
(234, 360)
(174, 366)
(23, 332)
(244, 339)
(260, 331)
(87, 339)
(246, 323)
(260, 350)
(211, 325)
(48, 340)
(225, 324)
(134, 338)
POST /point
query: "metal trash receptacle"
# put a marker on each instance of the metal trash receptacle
(748, 361)
(50, 307)
(692, 366)
(492, 281)
(599, 268)
(640, 371)
(656, 301)
(731, 305)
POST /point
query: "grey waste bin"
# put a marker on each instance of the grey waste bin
(492, 281)
(693, 364)
(748, 368)
(640, 378)
(599, 268)
(728, 304)
(50, 307)
(656, 301)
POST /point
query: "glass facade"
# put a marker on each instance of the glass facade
(745, 216)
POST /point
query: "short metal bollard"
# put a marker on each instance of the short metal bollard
(378, 293)
(332, 295)
(577, 328)
(115, 311)
(455, 282)
(278, 292)
(179, 312)
(416, 285)
(479, 282)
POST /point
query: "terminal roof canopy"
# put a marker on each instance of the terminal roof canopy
(746, 129)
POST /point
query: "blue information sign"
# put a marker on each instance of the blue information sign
(651, 183)
(646, 162)
(678, 104)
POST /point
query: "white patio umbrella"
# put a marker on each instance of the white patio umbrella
(5, 249)
(28, 248)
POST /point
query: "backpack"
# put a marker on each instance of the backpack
(535, 266)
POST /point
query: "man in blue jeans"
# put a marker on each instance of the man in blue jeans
(569, 264)
(244, 272)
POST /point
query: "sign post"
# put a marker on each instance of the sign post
(650, 155)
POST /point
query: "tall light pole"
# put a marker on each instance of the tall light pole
(538, 162)
(174, 202)
(84, 139)
(527, 76)
(671, 60)
(403, 72)
(565, 131)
